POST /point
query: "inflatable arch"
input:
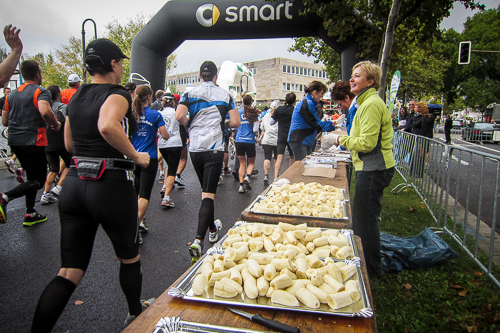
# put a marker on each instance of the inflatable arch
(233, 75)
(180, 20)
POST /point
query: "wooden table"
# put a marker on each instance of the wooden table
(217, 314)
(294, 175)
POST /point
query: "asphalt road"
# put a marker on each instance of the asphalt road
(29, 257)
(474, 178)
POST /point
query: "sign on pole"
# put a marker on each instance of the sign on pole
(396, 80)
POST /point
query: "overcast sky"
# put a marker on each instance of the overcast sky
(46, 25)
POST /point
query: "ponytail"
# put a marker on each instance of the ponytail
(141, 96)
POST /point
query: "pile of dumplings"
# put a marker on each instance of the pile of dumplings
(282, 264)
(312, 199)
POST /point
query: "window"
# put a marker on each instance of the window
(288, 86)
(309, 72)
(283, 86)
(293, 70)
(284, 68)
(287, 69)
(301, 71)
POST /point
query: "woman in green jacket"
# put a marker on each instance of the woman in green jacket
(370, 142)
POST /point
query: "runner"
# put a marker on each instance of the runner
(207, 106)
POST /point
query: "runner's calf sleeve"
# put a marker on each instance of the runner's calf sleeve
(51, 304)
(205, 218)
(131, 283)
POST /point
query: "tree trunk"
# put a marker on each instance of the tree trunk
(388, 42)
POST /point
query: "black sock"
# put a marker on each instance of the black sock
(178, 175)
(225, 169)
(241, 184)
(131, 283)
(51, 304)
(205, 218)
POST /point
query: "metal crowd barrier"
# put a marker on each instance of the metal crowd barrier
(453, 182)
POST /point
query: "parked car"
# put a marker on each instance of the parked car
(479, 132)
(457, 124)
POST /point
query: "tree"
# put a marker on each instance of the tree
(122, 36)
(366, 21)
(479, 82)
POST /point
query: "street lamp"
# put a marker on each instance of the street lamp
(83, 46)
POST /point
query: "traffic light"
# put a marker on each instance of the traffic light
(464, 51)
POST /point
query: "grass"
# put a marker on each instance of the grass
(455, 296)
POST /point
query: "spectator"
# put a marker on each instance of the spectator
(27, 110)
(448, 125)
(74, 83)
(8, 66)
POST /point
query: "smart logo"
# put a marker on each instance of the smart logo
(266, 12)
(201, 18)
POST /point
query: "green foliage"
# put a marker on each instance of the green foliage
(122, 36)
(419, 52)
(480, 80)
(317, 48)
(454, 296)
(69, 58)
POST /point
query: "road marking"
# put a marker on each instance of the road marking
(456, 159)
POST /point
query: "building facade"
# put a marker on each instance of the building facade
(274, 78)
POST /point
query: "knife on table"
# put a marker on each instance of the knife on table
(273, 324)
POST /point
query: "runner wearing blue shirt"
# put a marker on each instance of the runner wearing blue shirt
(245, 142)
(144, 140)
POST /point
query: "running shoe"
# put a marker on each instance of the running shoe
(167, 202)
(180, 182)
(235, 175)
(195, 250)
(47, 198)
(162, 175)
(20, 175)
(139, 236)
(242, 189)
(246, 182)
(11, 166)
(3, 209)
(56, 190)
(266, 180)
(220, 180)
(255, 172)
(145, 304)
(142, 226)
(213, 236)
(32, 220)
(162, 192)
(226, 172)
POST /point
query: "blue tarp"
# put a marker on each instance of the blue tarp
(422, 251)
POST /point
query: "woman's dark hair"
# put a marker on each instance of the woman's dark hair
(54, 91)
(141, 95)
(250, 113)
(315, 85)
(340, 90)
(168, 102)
(290, 98)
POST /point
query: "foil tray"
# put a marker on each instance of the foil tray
(361, 308)
(263, 196)
(175, 324)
